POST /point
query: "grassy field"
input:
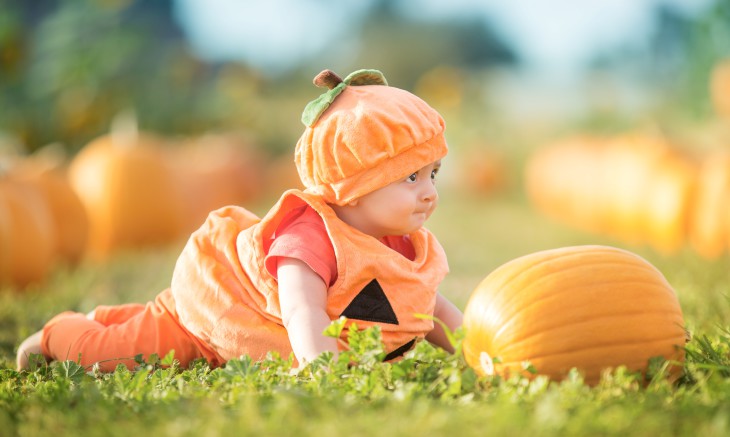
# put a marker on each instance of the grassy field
(428, 393)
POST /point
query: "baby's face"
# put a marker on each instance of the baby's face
(401, 207)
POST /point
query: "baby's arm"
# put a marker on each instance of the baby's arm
(303, 301)
(446, 312)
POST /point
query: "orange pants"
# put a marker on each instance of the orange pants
(118, 333)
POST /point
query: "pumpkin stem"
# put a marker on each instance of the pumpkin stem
(327, 79)
(124, 128)
(5, 166)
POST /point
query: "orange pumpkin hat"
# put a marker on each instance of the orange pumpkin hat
(362, 135)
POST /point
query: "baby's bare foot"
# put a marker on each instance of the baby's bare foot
(31, 345)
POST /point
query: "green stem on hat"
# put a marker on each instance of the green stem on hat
(316, 107)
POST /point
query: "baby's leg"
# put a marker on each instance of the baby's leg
(150, 329)
(107, 315)
(112, 314)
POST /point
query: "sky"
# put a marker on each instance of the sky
(556, 36)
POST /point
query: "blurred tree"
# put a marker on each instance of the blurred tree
(406, 47)
(67, 66)
(682, 55)
(678, 58)
(708, 41)
(683, 51)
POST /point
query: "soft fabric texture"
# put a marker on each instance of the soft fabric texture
(328, 79)
(223, 303)
(303, 236)
(119, 333)
(367, 137)
(226, 298)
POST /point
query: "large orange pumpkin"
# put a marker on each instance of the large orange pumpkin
(586, 307)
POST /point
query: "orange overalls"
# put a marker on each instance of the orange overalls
(223, 303)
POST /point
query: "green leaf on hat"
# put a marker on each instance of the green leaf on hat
(366, 77)
(316, 107)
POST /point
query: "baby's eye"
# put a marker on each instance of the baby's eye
(412, 178)
(434, 173)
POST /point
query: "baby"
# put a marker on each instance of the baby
(351, 244)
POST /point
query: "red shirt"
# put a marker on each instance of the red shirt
(303, 236)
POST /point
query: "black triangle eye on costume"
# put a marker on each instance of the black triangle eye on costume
(371, 305)
(400, 351)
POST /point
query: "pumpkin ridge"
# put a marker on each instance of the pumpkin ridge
(505, 325)
(543, 259)
(516, 343)
(651, 288)
(508, 303)
(536, 260)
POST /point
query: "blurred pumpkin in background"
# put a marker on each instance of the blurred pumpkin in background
(216, 170)
(587, 307)
(27, 233)
(281, 175)
(669, 201)
(638, 188)
(627, 169)
(709, 231)
(129, 190)
(562, 180)
(482, 170)
(46, 168)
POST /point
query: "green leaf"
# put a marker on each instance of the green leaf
(69, 370)
(169, 358)
(528, 367)
(36, 361)
(242, 366)
(316, 107)
(365, 77)
(335, 328)
(153, 359)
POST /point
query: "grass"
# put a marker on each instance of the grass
(428, 393)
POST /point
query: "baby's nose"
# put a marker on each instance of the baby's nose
(429, 192)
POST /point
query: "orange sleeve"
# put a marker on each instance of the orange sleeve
(303, 236)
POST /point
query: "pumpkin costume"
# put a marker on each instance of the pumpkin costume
(361, 135)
